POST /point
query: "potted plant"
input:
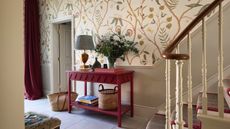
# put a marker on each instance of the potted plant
(115, 46)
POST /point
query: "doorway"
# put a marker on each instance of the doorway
(61, 55)
(64, 54)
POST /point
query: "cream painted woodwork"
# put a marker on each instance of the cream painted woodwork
(65, 57)
(12, 64)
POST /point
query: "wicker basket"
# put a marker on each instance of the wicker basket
(107, 99)
(59, 101)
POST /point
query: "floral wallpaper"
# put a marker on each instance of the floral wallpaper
(151, 23)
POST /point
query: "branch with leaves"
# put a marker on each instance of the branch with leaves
(96, 26)
(141, 26)
(171, 5)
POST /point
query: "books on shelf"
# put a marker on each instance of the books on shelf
(93, 104)
(88, 99)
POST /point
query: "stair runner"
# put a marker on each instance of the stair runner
(212, 103)
(196, 122)
(157, 122)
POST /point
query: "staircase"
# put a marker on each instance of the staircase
(211, 110)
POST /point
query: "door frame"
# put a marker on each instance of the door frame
(54, 50)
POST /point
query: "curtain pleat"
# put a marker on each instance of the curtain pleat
(32, 77)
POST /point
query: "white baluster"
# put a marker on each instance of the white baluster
(168, 96)
(72, 43)
(72, 49)
(220, 64)
(204, 68)
(190, 113)
(179, 88)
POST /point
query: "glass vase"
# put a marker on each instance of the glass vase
(111, 62)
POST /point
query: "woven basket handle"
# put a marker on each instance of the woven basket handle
(100, 87)
(115, 89)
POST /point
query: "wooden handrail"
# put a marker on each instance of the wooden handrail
(167, 53)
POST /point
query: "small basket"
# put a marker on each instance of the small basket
(107, 99)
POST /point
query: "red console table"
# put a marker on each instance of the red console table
(117, 78)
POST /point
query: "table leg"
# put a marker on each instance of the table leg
(119, 106)
(69, 95)
(131, 96)
(85, 82)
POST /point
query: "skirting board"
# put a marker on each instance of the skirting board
(46, 92)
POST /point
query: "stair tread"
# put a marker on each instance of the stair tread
(157, 122)
(212, 103)
(196, 122)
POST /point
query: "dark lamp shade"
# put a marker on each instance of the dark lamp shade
(84, 42)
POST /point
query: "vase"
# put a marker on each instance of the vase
(111, 62)
(96, 64)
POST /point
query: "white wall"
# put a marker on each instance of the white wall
(11, 64)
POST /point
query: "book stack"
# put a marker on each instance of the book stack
(88, 100)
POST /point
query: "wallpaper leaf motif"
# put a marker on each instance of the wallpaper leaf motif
(194, 5)
(172, 3)
(55, 5)
(151, 23)
(153, 58)
(157, 1)
(163, 36)
(203, 8)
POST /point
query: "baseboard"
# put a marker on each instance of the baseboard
(46, 92)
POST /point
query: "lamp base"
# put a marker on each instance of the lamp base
(84, 67)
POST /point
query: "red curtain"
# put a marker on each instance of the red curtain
(33, 80)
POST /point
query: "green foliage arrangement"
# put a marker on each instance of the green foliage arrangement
(115, 46)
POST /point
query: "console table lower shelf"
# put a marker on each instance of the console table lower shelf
(116, 78)
(124, 109)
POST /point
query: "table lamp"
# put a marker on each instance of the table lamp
(84, 42)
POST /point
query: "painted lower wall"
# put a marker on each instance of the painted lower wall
(149, 86)
(11, 66)
(46, 79)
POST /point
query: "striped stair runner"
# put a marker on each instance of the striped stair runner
(158, 121)
(212, 103)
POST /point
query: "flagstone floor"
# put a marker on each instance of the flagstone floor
(83, 119)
